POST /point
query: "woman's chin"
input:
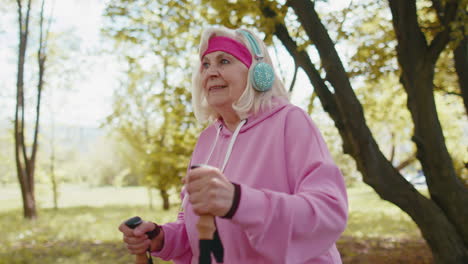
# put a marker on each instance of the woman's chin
(215, 100)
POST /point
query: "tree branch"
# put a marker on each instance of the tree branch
(412, 43)
(406, 162)
(331, 62)
(442, 38)
(303, 60)
(291, 87)
(392, 151)
(440, 89)
(41, 59)
(460, 55)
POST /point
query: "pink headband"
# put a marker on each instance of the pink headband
(231, 46)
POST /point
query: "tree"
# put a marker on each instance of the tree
(25, 163)
(150, 110)
(375, 60)
(64, 56)
(157, 128)
(441, 218)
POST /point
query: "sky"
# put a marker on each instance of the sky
(88, 100)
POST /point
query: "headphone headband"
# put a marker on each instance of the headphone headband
(253, 44)
(263, 75)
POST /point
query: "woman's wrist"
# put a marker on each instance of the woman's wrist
(235, 202)
(157, 241)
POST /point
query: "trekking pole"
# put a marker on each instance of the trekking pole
(206, 229)
(208, 237)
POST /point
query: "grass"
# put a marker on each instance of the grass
(70, 235)
(84, 228)
(372, 217)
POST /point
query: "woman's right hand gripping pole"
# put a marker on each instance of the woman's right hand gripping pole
(142, 236)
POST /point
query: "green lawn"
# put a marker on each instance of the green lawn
(84, 228)
(371, 216)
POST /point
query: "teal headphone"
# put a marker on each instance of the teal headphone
(263, 75)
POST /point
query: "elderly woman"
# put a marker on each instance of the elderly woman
(261, 168)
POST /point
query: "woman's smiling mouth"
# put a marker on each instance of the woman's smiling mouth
(217, 87)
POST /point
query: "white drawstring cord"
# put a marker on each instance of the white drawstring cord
(231, 144)
(218, 130)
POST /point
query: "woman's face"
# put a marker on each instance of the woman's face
(224, 79)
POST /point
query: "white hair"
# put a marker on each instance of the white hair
(251, 101)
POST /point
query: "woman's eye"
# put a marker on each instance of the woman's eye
(205, 65)
(224, 61)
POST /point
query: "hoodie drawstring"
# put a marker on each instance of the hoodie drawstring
(231, 144)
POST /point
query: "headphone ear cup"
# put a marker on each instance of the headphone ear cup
(263, 77)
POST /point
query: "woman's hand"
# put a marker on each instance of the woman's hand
(210, 191)
(137, 240)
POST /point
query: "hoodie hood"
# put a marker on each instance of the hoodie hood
(255, 119)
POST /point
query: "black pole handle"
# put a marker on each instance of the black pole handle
(133, 223)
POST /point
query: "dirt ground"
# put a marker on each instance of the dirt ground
(384, 251)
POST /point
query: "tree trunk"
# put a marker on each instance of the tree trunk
(55, 192)
(165, 199)
(24, 166)
(53, 176)
(417, 60)
(29, 204)
(150, 197)
(442, 232)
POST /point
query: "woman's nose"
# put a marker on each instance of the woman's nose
(213, 71)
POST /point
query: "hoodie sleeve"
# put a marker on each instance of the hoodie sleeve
(306, 223)
(176, 243)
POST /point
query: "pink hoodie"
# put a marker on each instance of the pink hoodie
(293, 204)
